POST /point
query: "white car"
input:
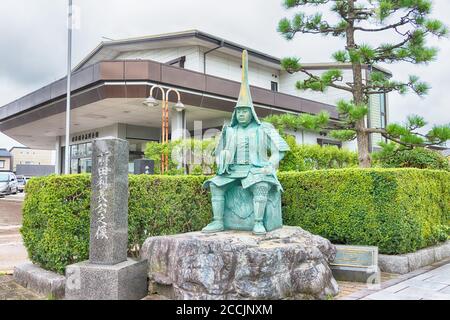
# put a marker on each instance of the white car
(8, 183)
(21, 182)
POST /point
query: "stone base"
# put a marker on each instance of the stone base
(39, 280)
(123, 281)
(405, 263)
(288, 263)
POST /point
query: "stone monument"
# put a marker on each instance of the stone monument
(108, 274)
(246, 194)
(245, 252)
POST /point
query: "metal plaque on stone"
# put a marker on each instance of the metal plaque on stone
(355, 263)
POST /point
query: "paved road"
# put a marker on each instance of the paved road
(12, 251)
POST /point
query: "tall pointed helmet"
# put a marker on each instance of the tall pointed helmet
(245, 98)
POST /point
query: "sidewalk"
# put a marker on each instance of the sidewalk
(12, 251)
(429, 283)
(9, 290)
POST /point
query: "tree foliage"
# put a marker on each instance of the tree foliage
(395, 156)
(407, 22)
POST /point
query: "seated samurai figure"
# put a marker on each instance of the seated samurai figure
(246, 194)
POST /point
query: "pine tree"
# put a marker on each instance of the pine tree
(410, 22)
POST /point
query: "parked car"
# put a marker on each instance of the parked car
(8, 183)
(21, 182)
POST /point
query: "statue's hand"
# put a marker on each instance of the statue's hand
(269, 169)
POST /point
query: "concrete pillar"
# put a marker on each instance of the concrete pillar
(121, 131)
(178, 124)
(58, 156)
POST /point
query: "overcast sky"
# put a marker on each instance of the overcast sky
(33, 41)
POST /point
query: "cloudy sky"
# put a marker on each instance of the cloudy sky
(33, 41)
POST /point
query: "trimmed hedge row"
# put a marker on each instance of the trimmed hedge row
(315, 157)
(56, 214)
(398, 210)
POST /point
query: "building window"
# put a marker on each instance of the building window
(325, 142)
(2, 164)
(81, 161)
(383, 110)
(274, 86)
(178, 62)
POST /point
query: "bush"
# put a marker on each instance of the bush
(398, 210)
(391, 157)
(56, 214)
(299, 158)
(198, 155)
(313, 157)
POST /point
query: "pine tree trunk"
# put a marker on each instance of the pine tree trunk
(362, 140)
(362, 137)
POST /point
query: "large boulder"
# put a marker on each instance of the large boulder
(288, 263)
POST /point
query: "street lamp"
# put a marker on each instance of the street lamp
(151, 102)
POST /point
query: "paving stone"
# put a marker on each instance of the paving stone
(437, 296)
(10, 290)
(396, 288)
(388, 296)
(443, 278)
(446, 290)
(427, 283)
(424, 284)
(418, 294)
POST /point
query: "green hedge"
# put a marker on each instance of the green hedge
(398, 210)
(315, 157)
(391, 157)
(56, 214)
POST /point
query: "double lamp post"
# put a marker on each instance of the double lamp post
(179, 106)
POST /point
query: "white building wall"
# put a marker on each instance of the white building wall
(192, 54)
(350, 145)
(229, 67)
(304, 137)
(330, 96)
(375, 118)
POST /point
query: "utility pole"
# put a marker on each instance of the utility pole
(69, 71)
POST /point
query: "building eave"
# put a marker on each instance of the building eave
(133, 79)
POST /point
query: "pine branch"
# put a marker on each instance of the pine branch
(403, 21)
(314, 82)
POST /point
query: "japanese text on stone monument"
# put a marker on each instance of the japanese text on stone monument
(102, 201)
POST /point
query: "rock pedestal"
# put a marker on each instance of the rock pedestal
(288, 263)
(108, 275)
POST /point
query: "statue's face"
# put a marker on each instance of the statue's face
(244, 116)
